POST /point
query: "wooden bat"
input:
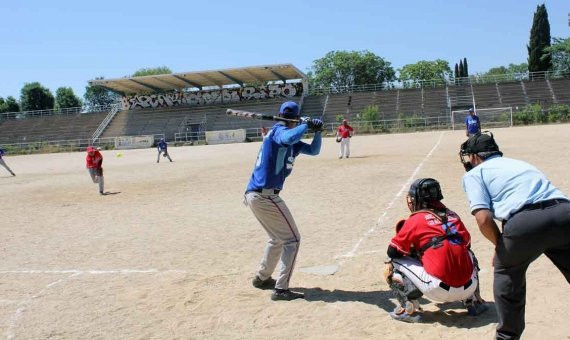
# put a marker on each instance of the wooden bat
(255, 115)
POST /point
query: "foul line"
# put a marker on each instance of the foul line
(405, 186)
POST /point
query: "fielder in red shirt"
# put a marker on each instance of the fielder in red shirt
(343, 135)
(94, 164)
(430, 255)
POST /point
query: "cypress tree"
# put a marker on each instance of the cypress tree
(465, 69)
(456, 70)
(461, 71)
(538, 60)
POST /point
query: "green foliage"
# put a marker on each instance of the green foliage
(341, 69)
(559, 113)
(461, 69)
(36, 97)
(370, 113)
(99, 96)
(65, 98)
(456, 73)
(560, 52)
(465, 68)
(512, 68)
(426, 70)
(339, 118)
(12, 105)
(539, 59)
(151, 71)
(530, 114)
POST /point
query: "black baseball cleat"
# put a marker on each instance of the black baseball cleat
(285, 295)
(263, 284)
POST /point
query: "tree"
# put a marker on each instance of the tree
(151, 71)
(560, 53)
(36, 97)
(465, 68)
(512, 68)
(12, 105)
(338, 69)
(65, 98)
(461, 69)
(539, 58)
(426, 70)
(96, 95)
(456, 71)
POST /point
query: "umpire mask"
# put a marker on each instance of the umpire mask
(482, 145)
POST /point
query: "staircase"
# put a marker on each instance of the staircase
(106, 121)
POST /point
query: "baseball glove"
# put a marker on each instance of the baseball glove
(164, 154)
(338, 139)
(399, 225)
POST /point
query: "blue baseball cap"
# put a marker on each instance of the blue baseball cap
(471, 109)
(289, 110)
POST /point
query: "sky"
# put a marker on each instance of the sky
(67, 43)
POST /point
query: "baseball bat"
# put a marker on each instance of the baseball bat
(255, 115)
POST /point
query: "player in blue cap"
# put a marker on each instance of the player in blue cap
(280, 146)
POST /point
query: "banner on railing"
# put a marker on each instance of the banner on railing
(225, 136)
(134, 142)
(207, 97)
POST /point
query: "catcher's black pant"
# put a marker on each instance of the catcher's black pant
(541, 228)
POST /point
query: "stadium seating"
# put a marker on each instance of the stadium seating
(50, 128)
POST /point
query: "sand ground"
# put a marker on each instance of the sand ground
(170, 254)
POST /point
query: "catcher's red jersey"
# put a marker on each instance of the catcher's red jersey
(450, 262)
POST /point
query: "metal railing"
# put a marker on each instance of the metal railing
(106, 121)
(64, 111)
(434, 83)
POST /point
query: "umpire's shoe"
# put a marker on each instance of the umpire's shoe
(263, 284)
(286, 295)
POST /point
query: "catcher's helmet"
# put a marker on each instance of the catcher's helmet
(422, 191)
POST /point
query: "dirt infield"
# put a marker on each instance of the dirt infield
(172, 252)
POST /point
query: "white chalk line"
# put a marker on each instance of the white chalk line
(352, 253)
(21, 308)
(23, 304)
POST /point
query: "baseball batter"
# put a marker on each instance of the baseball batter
(94, 164)
(275, 160)
(3, 163)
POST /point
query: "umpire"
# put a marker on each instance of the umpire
(535, 219)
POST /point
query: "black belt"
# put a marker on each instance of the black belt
(447, 287)
(541, 205)
(275, 191)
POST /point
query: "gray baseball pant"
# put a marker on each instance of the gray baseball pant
(542, 229)
(161, 152)
(97, 179)
(6, 166)
(284, 238)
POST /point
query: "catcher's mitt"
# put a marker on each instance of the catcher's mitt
(164, 154)
(338, 139)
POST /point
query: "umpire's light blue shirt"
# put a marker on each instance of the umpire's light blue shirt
(504, 185)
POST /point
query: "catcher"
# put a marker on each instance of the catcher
(162, 147)
(430, 255)
(94, 162)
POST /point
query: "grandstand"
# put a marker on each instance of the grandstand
(183, 106)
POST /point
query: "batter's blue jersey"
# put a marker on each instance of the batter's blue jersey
(277, 155)
(472, 124)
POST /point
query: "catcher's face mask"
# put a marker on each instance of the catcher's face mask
(421, 191)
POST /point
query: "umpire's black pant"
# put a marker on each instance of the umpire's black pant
(541, 228)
